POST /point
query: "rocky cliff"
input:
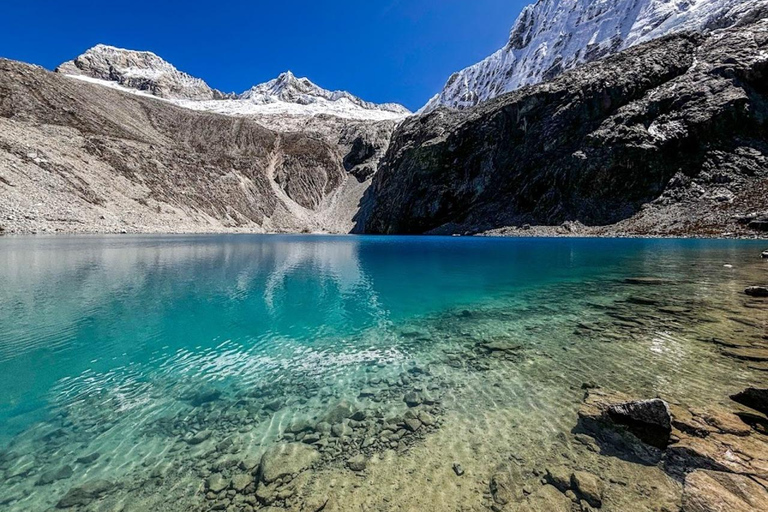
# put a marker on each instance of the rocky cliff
(666, 138)
(81, 157)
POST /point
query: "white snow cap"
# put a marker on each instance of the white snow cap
(552, 36)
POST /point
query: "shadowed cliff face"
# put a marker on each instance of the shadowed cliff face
(678, 121)
(79, 155)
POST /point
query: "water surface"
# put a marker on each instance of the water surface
(126, 346)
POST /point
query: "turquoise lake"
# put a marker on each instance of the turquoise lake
(116, 351)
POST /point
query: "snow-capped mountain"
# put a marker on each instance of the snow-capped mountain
(289, 89)
(142, 71)
(552, 36)
(146, 73)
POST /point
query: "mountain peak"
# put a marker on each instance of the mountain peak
(553, 36)
(140, 70)
(288, 88)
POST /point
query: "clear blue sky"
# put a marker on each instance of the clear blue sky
(381, 50)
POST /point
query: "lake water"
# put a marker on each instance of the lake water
(153, 365)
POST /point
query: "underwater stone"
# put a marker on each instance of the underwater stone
(285, 460)
(712, 491)
(754, 398)
(54, 475)
(216, 483)
(85, 494)
(241, 481)
(757, 291)
(88, 459)
(412, 399)
(341, 411)
(589, 487)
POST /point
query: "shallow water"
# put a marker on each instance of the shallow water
(127, 347)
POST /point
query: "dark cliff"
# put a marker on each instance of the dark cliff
(666, 138)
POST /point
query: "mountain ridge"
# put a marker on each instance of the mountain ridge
(146, 72)
(552, 36)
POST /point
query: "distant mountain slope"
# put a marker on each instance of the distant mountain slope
(147, 73)
(666, 138)
(552, 36)
(78, 157)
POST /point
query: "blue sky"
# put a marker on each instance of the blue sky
(381, 50)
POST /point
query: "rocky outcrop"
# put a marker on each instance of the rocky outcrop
(722, 460)
(666, 138)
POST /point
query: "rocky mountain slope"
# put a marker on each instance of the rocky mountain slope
(552, 36)
(80, 157)
(145, 72)
(666, 138)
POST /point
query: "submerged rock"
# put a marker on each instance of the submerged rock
(286, 460)
(754, 398)
(713, 491)
(54, 475)
(589, 487)
(757, 291)
(85, 494)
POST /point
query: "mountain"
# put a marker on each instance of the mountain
(145, 72)
(552, 36)
(81, 157)
(142, 71)
(669, 137)
(301, 91)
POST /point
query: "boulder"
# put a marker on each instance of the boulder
(216, 483)
(357, 463)
(712, 491)
(413, 399)
(589, 487)
(559, 477)
(286, 459)
(240, 481)
(757, 291)
(644, 426)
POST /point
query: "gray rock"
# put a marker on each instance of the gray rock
(341, 430)
(216, 483)
(357, 463)
(240, 481)
(412, 424)
(458, 469)
(199, 437)
(412, 399)
(286, 459)
(341, 411)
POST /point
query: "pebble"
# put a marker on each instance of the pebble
(458, 469)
